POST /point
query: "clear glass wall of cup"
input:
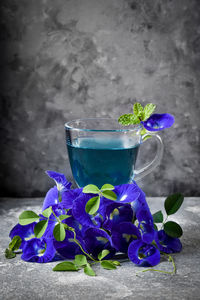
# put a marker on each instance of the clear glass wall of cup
(102, 151)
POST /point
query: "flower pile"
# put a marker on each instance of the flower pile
(95, 224)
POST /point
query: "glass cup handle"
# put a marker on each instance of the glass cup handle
(139, 174)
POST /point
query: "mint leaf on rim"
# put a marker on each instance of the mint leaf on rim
(128, 119)
(137, 109)
(148, 110)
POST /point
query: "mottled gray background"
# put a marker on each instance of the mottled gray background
(67, 59)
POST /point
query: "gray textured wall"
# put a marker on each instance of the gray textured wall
(66, 59)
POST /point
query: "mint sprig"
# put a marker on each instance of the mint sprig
(140, 114)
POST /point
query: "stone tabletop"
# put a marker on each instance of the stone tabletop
(22, 280)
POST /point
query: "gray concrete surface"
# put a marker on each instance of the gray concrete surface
(22, 280)
(67, 59)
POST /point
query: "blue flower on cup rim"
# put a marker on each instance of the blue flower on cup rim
(157, 122)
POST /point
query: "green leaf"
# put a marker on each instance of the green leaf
(116, 263)
(91, 189)
(28, 217)
(109, 195)
(146, 137)
(106, 264)
(173, 229)
(63, 217)
(137, 109)
(47, 212)
(173, 203)
(148, 110)
(89, 271)
(155, 227)
(158, 217)
(15, 243)
(59, 232)
(128, 119)
(80, 260)
(92, 205)
(103, 254)
(9, 254)
(107, 187)
(66, 266)
(40, 228)
(143, 131)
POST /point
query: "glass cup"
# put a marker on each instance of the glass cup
(102, 151)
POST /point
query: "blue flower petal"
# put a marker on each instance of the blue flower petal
(126, 193)
(39, 250)
(51, 198)
(143, 254)
(79, 213)
(97, 240)
(158, 122)
(60, 180)
(72, 222)
(123, 234)
(166, 243)
(26, 232)
(69, 196)
(68, 248)
(117, 213)
(144, 218)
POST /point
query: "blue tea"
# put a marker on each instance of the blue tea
(102, 160)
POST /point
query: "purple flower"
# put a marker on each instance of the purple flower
(60, 180)
(127, 193)
(158, 122)
(97, 240)
(117, 213)
(123, 234)
(166, 243)
(69, 196)
(51, 198)
(79, 213)
(39, 250)
(143, 254)
(26, 232)
(68, 248)
(144, 218)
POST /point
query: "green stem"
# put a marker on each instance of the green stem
(55, 216)
(164, 222)
(170, 258)
(77, 242)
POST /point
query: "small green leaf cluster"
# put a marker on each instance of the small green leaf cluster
(93, 203)
(140, 113)
(13, 246)
(171, 205)
(28, 217)
(81, 262)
